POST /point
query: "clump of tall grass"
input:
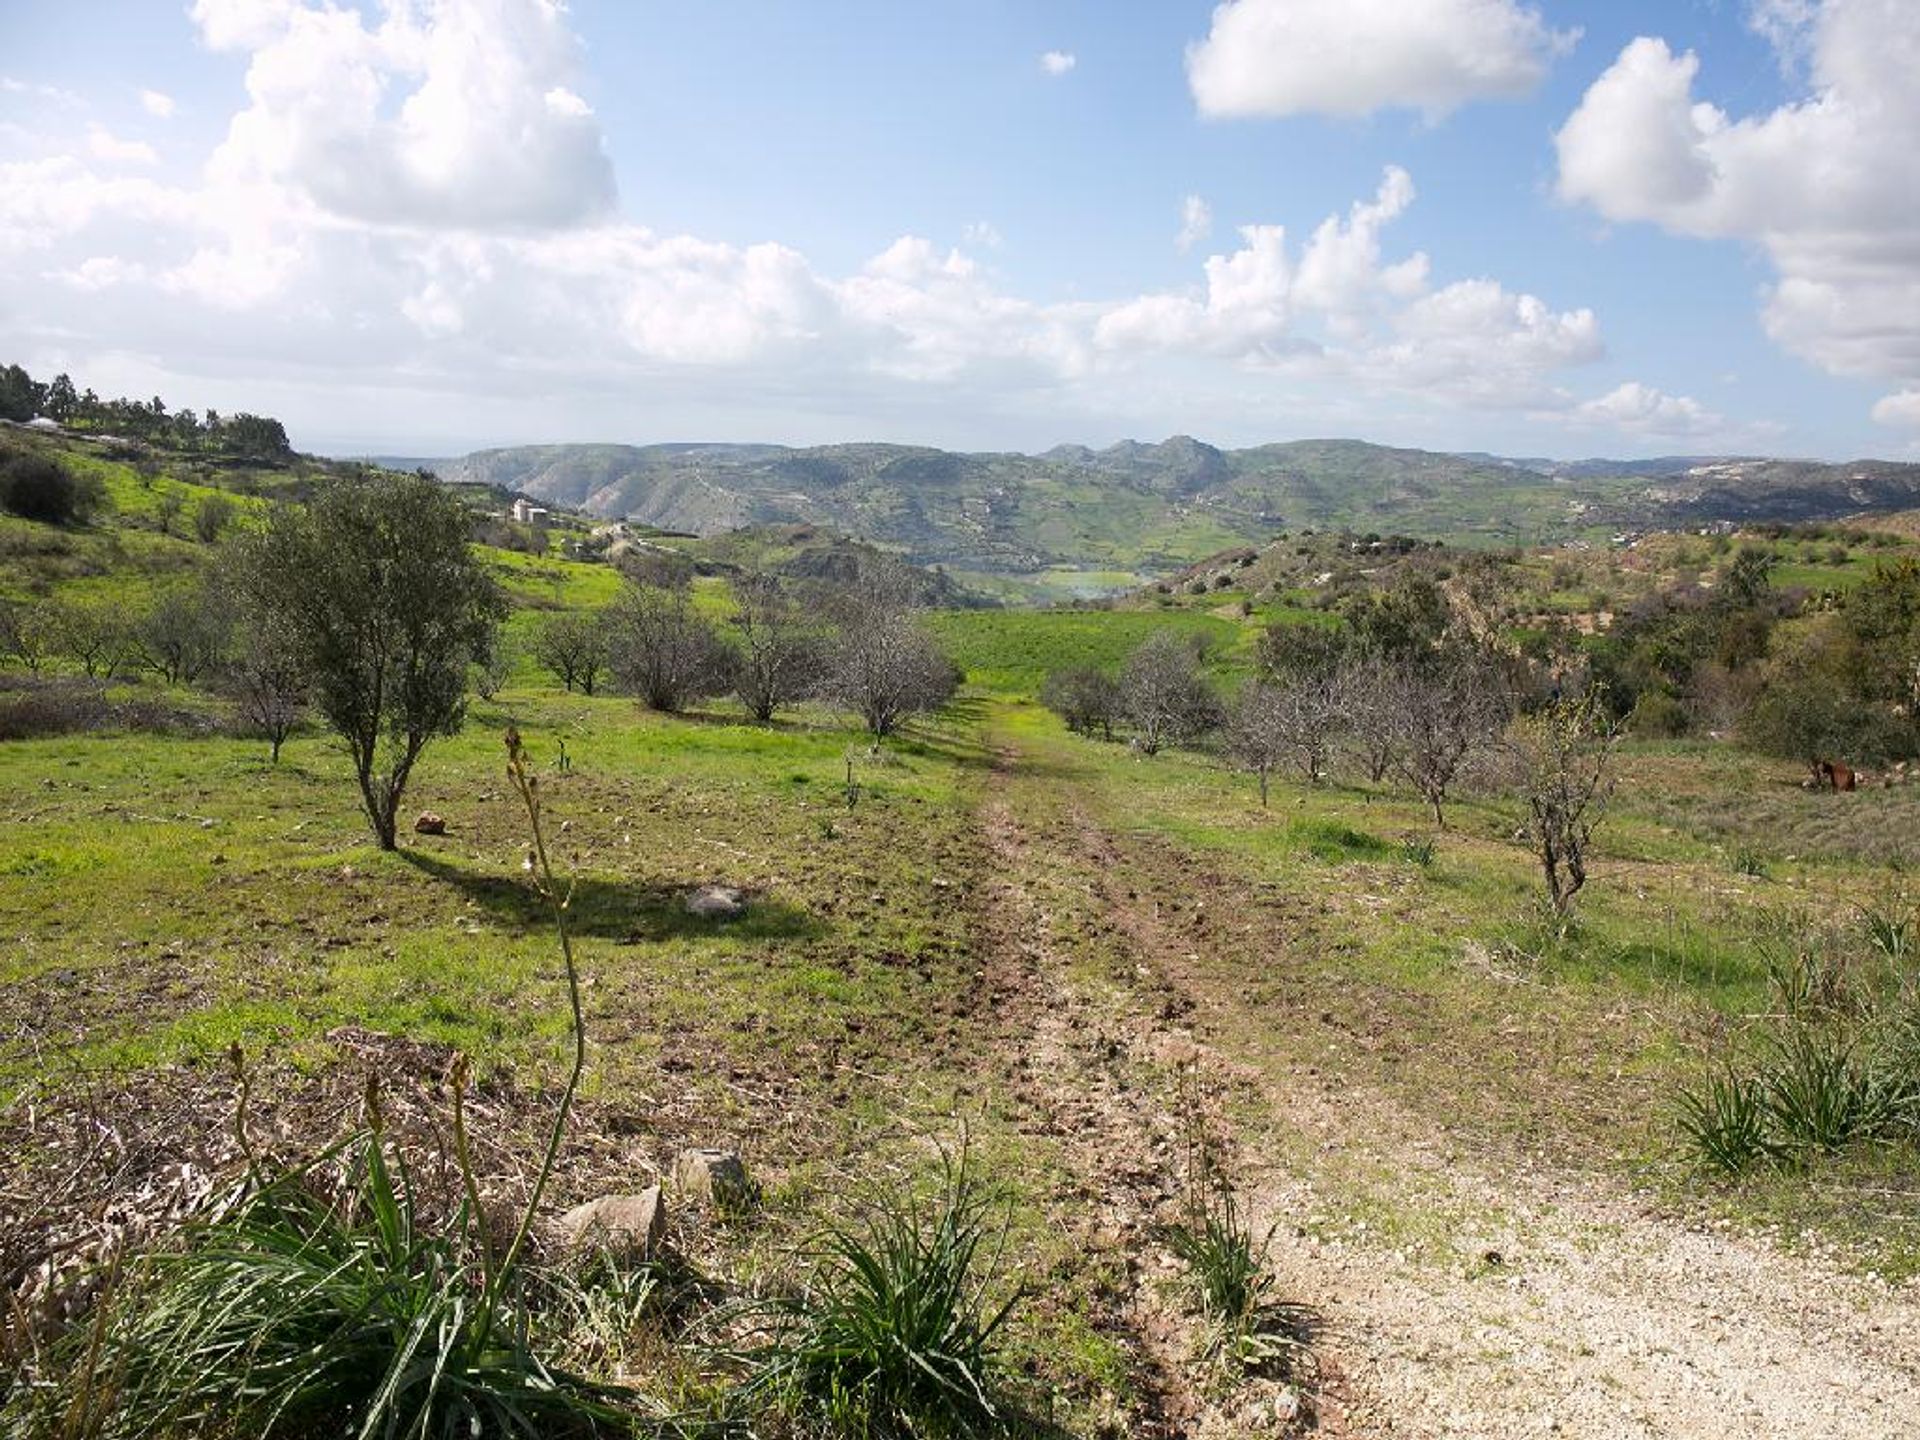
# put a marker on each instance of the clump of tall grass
(1835, 1062)
(1249, 1330)
(292, 1314)
(896, 1332)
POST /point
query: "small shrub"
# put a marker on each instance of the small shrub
(896, 1335)
(35, 487)
(1657, 716)
(1749, 862)
(1418, 850)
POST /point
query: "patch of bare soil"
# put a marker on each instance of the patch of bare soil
(1492, 1293)
(1092, 1071)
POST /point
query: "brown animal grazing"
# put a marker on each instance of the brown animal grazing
(1833, 775)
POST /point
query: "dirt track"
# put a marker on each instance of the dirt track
(1530, 1301)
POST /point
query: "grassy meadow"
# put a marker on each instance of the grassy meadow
(984, 932)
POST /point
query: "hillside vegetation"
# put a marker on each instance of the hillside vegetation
(1075, 521)
(1161, 1070)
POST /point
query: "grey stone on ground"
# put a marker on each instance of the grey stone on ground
(717, 902)
(716, 1176)
(631, 1227)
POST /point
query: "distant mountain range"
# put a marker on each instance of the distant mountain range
(1077, 518)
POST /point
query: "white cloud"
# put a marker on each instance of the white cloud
(1196, 223)
(984, 234)
(1642, 410)
(335, 234)
(1788, 26)
(9, 85)
(1828, 185)
(157, 104)
(103, 144)
(487, 133)
(1058, 62)
(1902, 408)
(1352, 57)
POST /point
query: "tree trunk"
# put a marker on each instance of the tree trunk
(1263, 787)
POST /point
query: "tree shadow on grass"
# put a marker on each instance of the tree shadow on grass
(626, 912)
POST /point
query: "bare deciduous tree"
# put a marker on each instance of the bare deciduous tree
(1447, 705)
(27, 632)
(782, 651)
(883, 665)
(268, 689)
(1255, 737)
(1365, 693)
(1085, 698)
(664, 651)
(573, 648)
(96, 635)
(1565, 755)
(184, 633)
(1164, 695)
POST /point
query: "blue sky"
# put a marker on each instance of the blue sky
(1544, 228)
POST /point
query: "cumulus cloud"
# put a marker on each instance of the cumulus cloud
(1828, 185)
(157, 104)
(103, 144)
(487, 134)
(1642, 410)
(1902, 408)
(1058, 62)
(983, 233)
(1196, 223)
(1352, 57)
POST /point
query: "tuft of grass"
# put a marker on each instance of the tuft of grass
(1418, 850)
(1250, 1333)
(1749, 862)
(1895, 935)
(896, 1334)
(1227, 1264)
(1724, 1122)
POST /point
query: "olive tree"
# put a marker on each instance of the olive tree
(383, 606)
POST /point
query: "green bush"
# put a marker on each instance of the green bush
(35, 487)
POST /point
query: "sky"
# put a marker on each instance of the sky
(419, 227)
